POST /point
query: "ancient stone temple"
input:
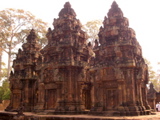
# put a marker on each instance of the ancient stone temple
(119, 72)
(68, 76)
(66, 58)
(24, 79)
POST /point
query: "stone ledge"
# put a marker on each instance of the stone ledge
(31, 116)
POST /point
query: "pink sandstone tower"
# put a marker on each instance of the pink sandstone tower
(67, 76)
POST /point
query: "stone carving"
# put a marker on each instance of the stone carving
(118, 57)
(23, 78)
(68, 75)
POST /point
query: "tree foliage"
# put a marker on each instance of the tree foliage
(4, 87)
(92, 29)
(3, 74)
(5, 91)
(15, 25)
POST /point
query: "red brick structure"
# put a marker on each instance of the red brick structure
(69, 77)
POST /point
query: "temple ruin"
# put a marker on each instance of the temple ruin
(68, 76)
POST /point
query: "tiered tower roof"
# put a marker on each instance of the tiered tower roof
(67, 41)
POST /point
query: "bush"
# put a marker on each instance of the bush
(5, 91)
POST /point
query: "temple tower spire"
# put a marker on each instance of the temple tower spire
(66, 59)
(24, 78)
(120, 67)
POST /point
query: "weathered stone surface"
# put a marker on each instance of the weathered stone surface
(65, 61)
(67, 77)
(118, 70)
(151, 96)
(23, 80)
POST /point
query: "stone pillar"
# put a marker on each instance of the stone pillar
(133, 109)
(70, 85)
(92, 96)
(41, 94)
(139, 97)
(121, 97)
(120, 91)
(144, 98)
(26, 92)
(131, 84)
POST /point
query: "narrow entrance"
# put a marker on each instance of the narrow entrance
(87, 99)
(111, 98)
(51, 99)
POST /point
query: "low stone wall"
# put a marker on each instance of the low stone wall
(4, 104)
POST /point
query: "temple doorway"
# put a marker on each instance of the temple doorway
(111, 99)
(50, 99)
(87, 99)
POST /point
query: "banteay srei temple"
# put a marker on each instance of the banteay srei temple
(70, 76)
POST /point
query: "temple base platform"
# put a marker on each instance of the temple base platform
(32, 116)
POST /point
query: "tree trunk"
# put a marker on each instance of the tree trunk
(9, 62)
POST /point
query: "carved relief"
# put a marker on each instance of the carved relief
(68, 76)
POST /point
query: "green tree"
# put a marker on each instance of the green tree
(15, 25)
(1, 94)
(5, 86)
(4, 91)
(92, 29)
